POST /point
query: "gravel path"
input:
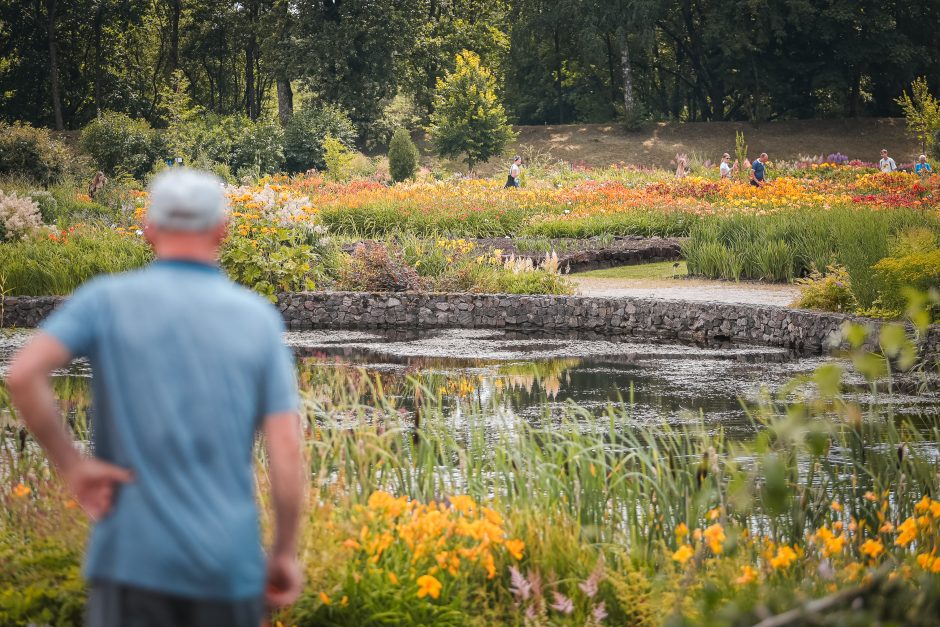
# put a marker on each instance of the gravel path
(699, 290)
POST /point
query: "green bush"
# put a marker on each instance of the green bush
(241, 144)
(829, 291)
(61, 262)
(305, 131)
(338, 159)
(48, 205)
(31, 153)
(41, 584)
(895, 276)
(119, 143)
(402, 156)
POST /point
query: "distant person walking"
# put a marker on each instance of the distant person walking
(922, 167)
(514, 171)
(886, 164)
(725, 168)
(759, 170)
(187, 367)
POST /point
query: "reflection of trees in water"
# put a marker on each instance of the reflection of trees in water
(329, 378)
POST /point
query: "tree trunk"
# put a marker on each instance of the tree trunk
(99, 18)
(612, 72)
(250, 79)
(176, 8)
(558, 86)
(629, 104)
(251, 52)
(54, 64)
(285, 100)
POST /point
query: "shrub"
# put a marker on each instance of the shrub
(402, 156)
(895, 276)
(119, 143)
(305, 131)
(241, 144)
(19, 216)
(269, 258)
(48, 205)
(338, 159)
(372, 268)
(32, 153)
(829, 291)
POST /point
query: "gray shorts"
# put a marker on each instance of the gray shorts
(117, 605)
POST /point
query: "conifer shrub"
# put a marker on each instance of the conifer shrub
(402, 156)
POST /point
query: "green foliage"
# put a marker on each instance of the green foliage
(48, 205)
(183, 119)
(829, 291)
(118, 143)
(41, 583)
(922, 112)
(793, 243)
(468, 118)
(31, 153)
(305, 131)
(270, 258)
(44, 265)
(241, 144)
(915, 264)
(740, 153)
(338, 159)
(402, 156)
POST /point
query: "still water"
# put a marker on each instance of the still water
(539, 376)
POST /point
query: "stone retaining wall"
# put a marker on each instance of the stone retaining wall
(804, 331)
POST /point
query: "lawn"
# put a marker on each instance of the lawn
(645, 271)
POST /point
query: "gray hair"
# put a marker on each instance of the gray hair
(186, 200)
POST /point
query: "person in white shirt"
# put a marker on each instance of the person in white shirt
(886, 164)
(512, 181)
(725, 167)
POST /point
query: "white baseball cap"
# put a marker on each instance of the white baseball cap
(182, 199)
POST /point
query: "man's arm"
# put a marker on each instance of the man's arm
(288, 484)
(91, 481)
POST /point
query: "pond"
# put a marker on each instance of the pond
(538, 376)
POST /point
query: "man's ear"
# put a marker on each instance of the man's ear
(221, 231)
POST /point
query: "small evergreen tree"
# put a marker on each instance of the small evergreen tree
(922, 111)
(402, 156)
(338, 159)
(468, 119)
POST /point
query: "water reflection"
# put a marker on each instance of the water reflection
(536, 377)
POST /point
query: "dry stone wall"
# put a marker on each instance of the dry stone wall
(807, 332)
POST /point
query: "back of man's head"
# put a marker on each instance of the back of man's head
(186, 200)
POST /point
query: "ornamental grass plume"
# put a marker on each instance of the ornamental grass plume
(19, 217)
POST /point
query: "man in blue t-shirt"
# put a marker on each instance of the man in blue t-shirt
(758, 170)
(187, 368)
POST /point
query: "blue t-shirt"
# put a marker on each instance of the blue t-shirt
(758, 167)
(925, 167)
(186, 366)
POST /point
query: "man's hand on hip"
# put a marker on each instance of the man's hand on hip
(283, 581)
(93, 483)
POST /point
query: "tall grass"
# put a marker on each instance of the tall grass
(42, 266)
(781, 246)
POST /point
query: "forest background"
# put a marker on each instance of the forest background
(557, 61)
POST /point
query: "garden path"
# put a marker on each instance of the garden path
(687, 289)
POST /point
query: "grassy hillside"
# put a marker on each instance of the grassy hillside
(599, 145)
